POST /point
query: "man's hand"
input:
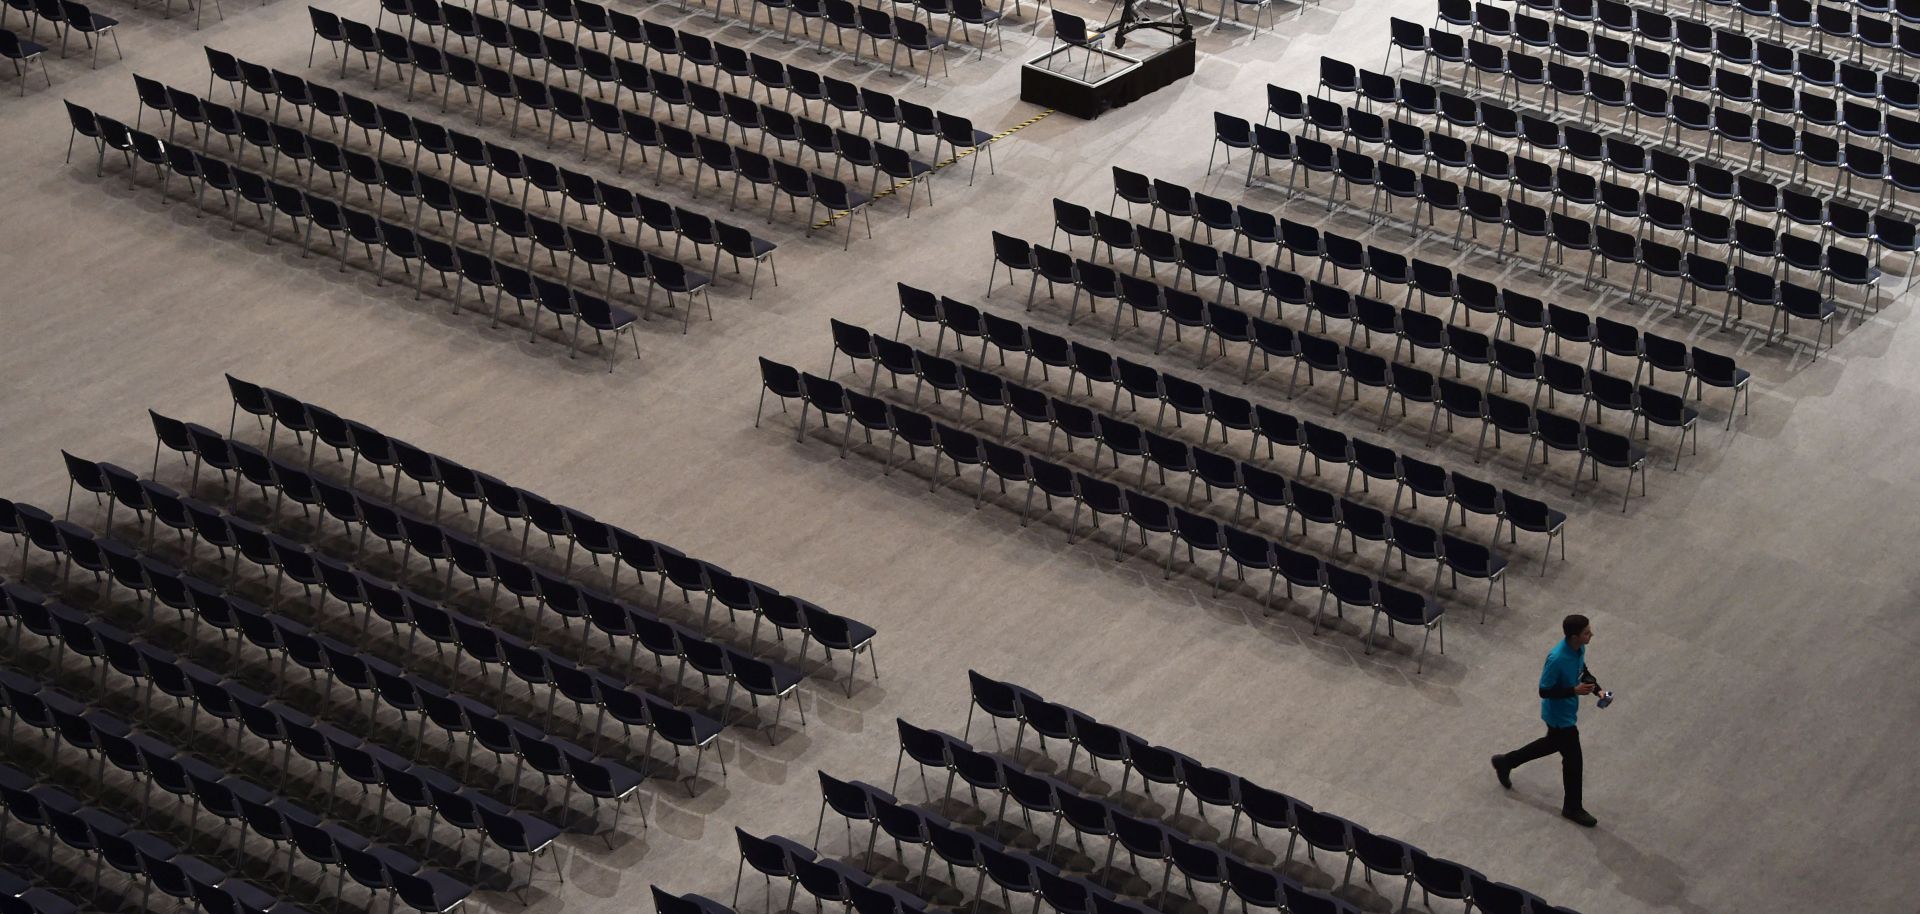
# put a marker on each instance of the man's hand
(1585, 688)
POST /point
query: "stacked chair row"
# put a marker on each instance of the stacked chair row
(257, 808)
(1659, 51)
(361, 514)
(1867, 31)
(792, 81)
(66, 17)
(203, 603)
(21, 52)
(594, 20)
(382, 867)
(1211, 469)
(1547, 374)
(1699, 181)
(1619, 151)
(24, 891)
(271, 199)
(1560, 232)
(1135, 380)
(707, 152)
(427, 136)
(623, 73)
(869, 25)
(1347, 841)
(1749, 193)
(512, 505)
(1014, 870)
(105, 836)
(1463, 294)
(479, 639)
(1149, 514)
(1857, 149)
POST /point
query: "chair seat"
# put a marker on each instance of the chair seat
(1687, 415)
(784, 676)
(150, 844)
(249, 897)
(858, 633)
(199, 870)
(1555, 519)
(12, 778)
(704, 727)
(707, 905)
(621, 777)
(793, 848)
(27, 49)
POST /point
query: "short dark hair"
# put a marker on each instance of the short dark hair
(1573, 625)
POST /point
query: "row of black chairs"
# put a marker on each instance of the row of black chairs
(1211, 469)
(1088, 816)
(1261, 806)
(26, 891)
(1035, 872)
(1615, 154)
(555, 593)
(1702, 184)
(95, 831)
(1362, 458)
(1381, 266)
(1560, 232)
(1675, 36)
(798, 183)
(66, 17)
(224, 698)
(21, 52)
(367, 229)
(480, 210)
(1492, 412)
(1463, 294)
(869, 24)
(1137, 510)
(1277, 287)
(517, 505)
(1871, 29)
(1596, 390)
(698, 98)
(149, 757)
(204, 603)
(793, 81)
(827, 880)
(1406, 326)
(348, 582)
(1733, 56)
(427, 136)
(1183, 396)
(1722, 126)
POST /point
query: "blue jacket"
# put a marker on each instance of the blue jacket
(1559, 706)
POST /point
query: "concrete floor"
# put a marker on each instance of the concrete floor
(1751, 612)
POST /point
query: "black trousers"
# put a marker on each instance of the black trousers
(1564, 740)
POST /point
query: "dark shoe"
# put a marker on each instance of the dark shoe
(1579, 817)
(1502, 772)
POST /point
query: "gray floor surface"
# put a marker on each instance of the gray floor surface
(1749, 611)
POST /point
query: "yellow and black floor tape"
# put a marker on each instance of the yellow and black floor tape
(835, 216)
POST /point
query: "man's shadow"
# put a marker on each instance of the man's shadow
(1655, 881)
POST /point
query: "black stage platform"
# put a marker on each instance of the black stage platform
(1150, 66)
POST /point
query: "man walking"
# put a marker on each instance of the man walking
(1562, 681)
